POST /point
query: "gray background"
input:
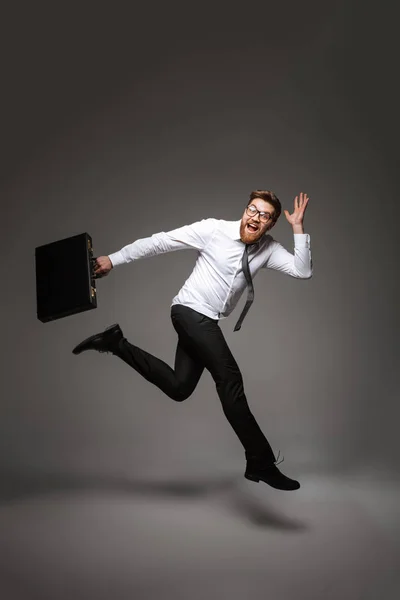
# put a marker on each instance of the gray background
(125, 123)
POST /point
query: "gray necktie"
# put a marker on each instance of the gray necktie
(250, 293)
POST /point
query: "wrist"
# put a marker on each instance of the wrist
(298, 228)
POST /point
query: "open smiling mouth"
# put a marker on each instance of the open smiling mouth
(251, 228)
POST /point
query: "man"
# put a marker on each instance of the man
(229, 254)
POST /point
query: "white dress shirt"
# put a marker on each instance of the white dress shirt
(217, 280)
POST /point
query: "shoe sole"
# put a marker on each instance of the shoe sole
(77, 349)
(257, 480)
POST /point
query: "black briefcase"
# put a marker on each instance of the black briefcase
(65, 280)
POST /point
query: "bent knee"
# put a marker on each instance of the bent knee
(181, 395)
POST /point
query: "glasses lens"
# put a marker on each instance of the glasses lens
(251, 211)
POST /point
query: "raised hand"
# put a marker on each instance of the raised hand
(300, 205)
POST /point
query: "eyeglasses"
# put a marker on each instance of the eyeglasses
(264, 216)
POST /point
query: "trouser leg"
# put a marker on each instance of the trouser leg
(203, 338)
(177, 383)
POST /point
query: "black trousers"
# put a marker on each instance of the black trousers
(201, 345)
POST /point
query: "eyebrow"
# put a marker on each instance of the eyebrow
(261, 211)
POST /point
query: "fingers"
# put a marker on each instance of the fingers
(101, 267)
(301, 201)
(305, 201)
(97, 268)
(99, 263)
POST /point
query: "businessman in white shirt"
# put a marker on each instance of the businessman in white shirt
(230, 254)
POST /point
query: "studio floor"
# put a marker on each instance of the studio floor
(335, 538)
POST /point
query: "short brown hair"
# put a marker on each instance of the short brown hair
(270, 197)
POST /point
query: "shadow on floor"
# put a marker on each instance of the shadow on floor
(16, 488)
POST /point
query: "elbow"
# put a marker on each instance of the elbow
(309, 275)
(304, 274)
(307, 271)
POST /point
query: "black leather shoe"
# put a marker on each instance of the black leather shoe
(102, 342)
(270, 474)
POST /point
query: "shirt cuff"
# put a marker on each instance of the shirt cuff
(116, 259)
(301, 240)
